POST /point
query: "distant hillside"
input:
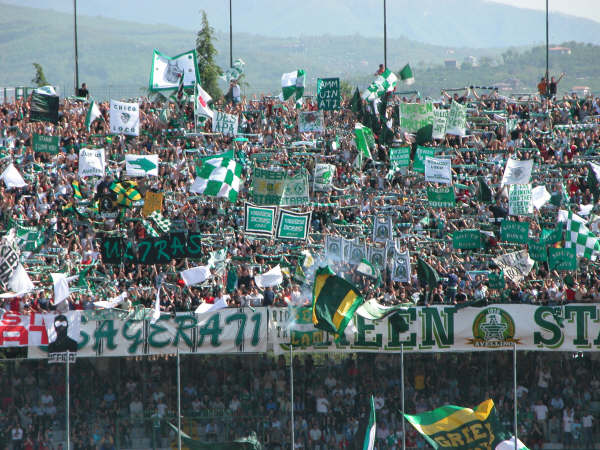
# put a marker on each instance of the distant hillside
(115, 56)
(464, 23)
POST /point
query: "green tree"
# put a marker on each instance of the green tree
(40, 78)
(206, 52)
(346, 89)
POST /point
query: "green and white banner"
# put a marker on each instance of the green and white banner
(438, 170)
(29, 239)
(466, 239)
(231, 330)
(401, 270)
(377, 256)
(440, 118)
(45, 144)
(572, 328)
(311, 121)
(517, 232)
(267, 186)
(328, 93)
(415, 116)
(399, 158)
(562, 259)
(166, 71)
(538, 251)
(457, 120)
(515, 265)
(323, 177)
(124, 118)
(519, 200)
(225, 123)
(141, 165)
(259, 220)
(296, 190)
(383, 229)
(293, 225)
(334, 248)
(442, 197)
(420, 155)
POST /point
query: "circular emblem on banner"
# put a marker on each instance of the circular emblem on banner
(493, 327)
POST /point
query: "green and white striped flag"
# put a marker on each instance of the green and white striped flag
(219, 177)
(292, 83)
(366, 268)
(369, 442)
(406, 75)
(386, 82)
(579, 236)
(162, 223)
(29, 239)
(93, 113)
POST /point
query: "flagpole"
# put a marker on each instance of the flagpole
(402, 394)
(75, 44)
(384, 36)
(178, 403)
(547, 51)
(292, 389)
(515, 389)
(230, 38)
(68, 402)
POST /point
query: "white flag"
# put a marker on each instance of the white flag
(273, 277)
(92, 114)
(19, 281)
(201, 103)
(220, 303)
(12, 178)
(165, 70)
(156, 312)
(124, 118)
(539, 196)
(61, 286)
(517, 172)
(195, 275)
(141, 165)
(516, 265)
(438, 170)
(111, 303)
(91, 162)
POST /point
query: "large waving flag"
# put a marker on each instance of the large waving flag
(219, 177)
(92, 114)
(292, 83)
(459, 427)
(334, 301)
(201, 99)
(166, 71)
(386, 82)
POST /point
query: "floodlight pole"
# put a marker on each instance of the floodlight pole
(385, 35)
(230, 37)
(75, 44)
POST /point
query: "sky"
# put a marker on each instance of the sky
(589, 9)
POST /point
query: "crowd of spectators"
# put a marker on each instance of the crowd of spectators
(227, 397)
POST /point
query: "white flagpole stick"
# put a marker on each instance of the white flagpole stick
(292, 389)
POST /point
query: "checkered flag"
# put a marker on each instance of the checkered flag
(219, 177)
(162, 223)
(149, 229)
(577, 235)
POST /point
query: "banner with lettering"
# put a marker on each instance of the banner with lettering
(259, 220)
(441, 197)
(295, 190)
(420, 155)
(517, 232)
(124, 118)
(225, 123)
(440, 117)
(519, 200)
(45, 144)
(160, 250)
(22, 330)
(456, 123)
(293, 225)
(267, 186)
(447, 328)
(232, 330)
(328, 93)
(399, 158)
(415, 116)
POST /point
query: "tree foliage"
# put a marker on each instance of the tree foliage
(206, 53)
(39, 79)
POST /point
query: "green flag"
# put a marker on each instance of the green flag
(427, 275)
(369, 442)
(463, 428)
(334, 301)
(356, 102)
(484, 193)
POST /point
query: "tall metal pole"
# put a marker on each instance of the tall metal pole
(384, 36)
(230, 38)
(292, 390)
(75, 43)
(68, 431)
(402, 393)
(178, 403)
(515, 390)
(547, 50)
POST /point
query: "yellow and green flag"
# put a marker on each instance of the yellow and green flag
(127, 192)
(459, 427)
(334, 301)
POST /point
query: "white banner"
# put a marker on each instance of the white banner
(519, 200)
(457, 120)
(440, 118)
(517, 172)
(165, 70)
(334, 248)
(311, 121)
(516, 265)
(124, 118)
(383, 229)
(22, 330)
(323, 177)
(141, 165)
(63, 331)
(225, 123)
(438, 170)
(401, 271)
(231, 330)
(91, 162)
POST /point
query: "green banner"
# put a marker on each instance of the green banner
(466, 239)
(420, 155)
(45, 144)
(259, 220)
(496, 280)
(562, 259)
(292, 225)
(538, 251)
(328, 93)
(399, 158)
(517, 232)
(441, 197)
(267, 186)
(415, 116)
(550, 237)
